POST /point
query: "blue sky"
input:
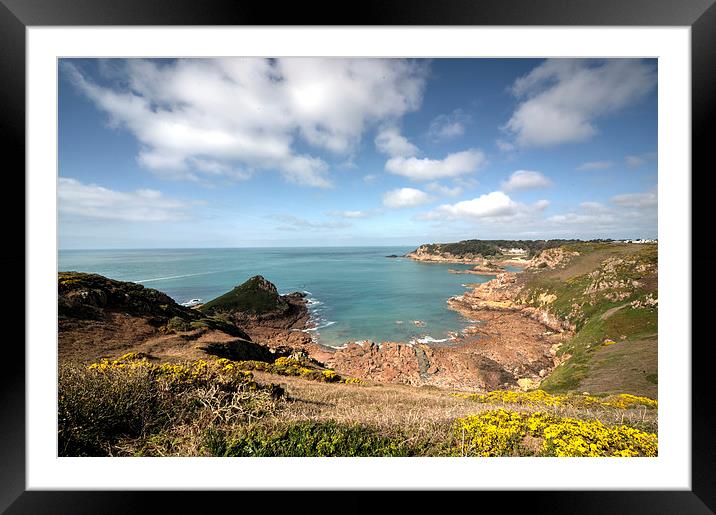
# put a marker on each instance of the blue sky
(334, 152)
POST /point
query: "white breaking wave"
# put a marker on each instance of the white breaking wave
(429, 339)
(321, 326)
(173, 277)
(315, 308)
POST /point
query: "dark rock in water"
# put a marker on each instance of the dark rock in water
(392, 256)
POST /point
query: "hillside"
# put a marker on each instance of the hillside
(609, 293)
(133, 407)
(100, 317)
(602, 296)
(562, 363)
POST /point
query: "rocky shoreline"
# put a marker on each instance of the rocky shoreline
(478, 271)
(511, 347)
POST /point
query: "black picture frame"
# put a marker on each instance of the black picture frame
(16, 15)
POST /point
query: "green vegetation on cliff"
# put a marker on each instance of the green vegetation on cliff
(88, 296)
(608, 293)
(488, 248)
(257, 296)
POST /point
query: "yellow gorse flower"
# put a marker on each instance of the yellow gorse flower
(293, 367)
(512, 433)
(196, 372)
(540, 398)
(222, 369)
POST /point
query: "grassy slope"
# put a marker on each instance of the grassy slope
(124, 412)
(630, 364)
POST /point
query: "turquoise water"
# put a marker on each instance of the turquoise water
(354, 293)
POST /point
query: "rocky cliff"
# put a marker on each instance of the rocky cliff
(101, 317)
(435, 254)
(278, 321)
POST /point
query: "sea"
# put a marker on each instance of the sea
(353, 293)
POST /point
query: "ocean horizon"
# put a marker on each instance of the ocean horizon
(354, 293)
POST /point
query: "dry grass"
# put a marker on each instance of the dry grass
(130, 411)
(425, 410)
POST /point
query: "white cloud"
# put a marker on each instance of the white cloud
(562, 98)
(490, 205)
(595, 165)
(447, 126)
(630, 215)
(444, 191)
(592, 206)
(389, 141)
(291, 223)
(370, 178)
(405, 197)
(466, 182)
(594, 220)
(525, 179)
(635, 161)
(637, 200)
(425, 169)
(351, 214)
(540, 205)
(218, 169)
(91, 201)
(504, 146)
(250, 113)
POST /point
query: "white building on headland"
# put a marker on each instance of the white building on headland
(513, 251)
(640, 241)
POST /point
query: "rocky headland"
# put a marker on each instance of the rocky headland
(101, 317)
(434, 254)
(278, 321)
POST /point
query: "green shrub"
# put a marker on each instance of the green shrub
(116, 407)
(308, 439)
(97, 409)
(177, 324)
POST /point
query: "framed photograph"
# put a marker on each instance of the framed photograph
(415, 248)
